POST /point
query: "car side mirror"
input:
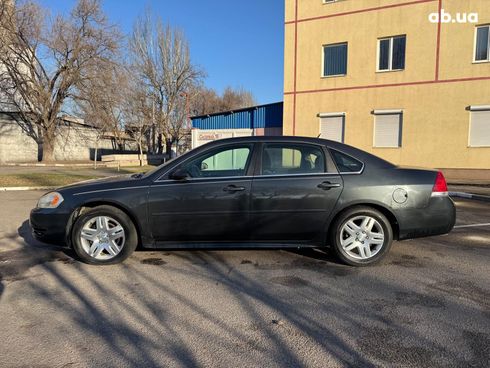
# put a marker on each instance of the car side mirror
(204, 166)
(179, 174)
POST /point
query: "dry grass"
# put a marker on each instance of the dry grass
(41, 179)
(57, 177)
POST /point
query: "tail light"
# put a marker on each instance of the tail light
(440, 186)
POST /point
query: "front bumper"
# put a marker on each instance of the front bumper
(436, 219)
(49, 225)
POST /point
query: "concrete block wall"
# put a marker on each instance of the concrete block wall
(15, 144)
(73, 143)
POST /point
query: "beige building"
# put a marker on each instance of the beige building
(407, 80)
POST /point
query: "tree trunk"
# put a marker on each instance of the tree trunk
(168, 147)
(160, 143)
(140, 146)
(48, 141)
(153, 139)
(96, 152)
(39, 149)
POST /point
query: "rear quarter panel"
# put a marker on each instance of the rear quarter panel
(379, 186)
(376, 186)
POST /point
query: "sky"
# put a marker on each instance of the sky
(237, 43)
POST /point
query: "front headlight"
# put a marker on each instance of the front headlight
(50, 200)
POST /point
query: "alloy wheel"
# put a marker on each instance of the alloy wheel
(102, 237)
(362, 237)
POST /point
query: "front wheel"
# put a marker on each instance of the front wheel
(361, 236)
(104, 235)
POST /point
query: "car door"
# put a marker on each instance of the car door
(210, 204)
(295, 188)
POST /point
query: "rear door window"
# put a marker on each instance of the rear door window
(292, 159)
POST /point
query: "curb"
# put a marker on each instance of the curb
(477, 197)
(13, 189)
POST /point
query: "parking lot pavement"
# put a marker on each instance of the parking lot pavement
(426, 305)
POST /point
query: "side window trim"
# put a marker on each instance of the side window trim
(331, 167)
(249, 171)
(346, 154)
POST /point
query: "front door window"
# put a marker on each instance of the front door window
(222, 162)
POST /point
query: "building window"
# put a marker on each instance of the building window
(391, 53)
(388, 128)
(482, 46)
(479, 126)
(335, 60)
(332, 126)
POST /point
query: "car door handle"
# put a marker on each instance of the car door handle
(233, 189)
(326, 185)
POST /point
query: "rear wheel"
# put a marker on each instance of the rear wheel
(361, 236)
(104, 235)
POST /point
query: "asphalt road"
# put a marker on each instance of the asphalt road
(426, 305)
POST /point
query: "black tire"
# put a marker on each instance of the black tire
(130, 232)
(353, 213)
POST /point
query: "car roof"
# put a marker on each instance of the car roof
(367, 158)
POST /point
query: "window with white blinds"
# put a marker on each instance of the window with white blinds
(479, 128)
(387, 129)
(332, 127)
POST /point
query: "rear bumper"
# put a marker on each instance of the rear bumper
(435, 219)
(49, 225)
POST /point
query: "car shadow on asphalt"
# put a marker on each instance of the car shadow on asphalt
(90, 315)
(15, 262)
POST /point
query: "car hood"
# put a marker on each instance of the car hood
(103, 183)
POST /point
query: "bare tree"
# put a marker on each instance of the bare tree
(233, 99)
(42, 62)
(138, 112)
(207, 101)
(100, 101)
(204, 101)
(160, 55)
(179, 122)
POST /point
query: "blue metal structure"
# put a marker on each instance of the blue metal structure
(263, 116)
